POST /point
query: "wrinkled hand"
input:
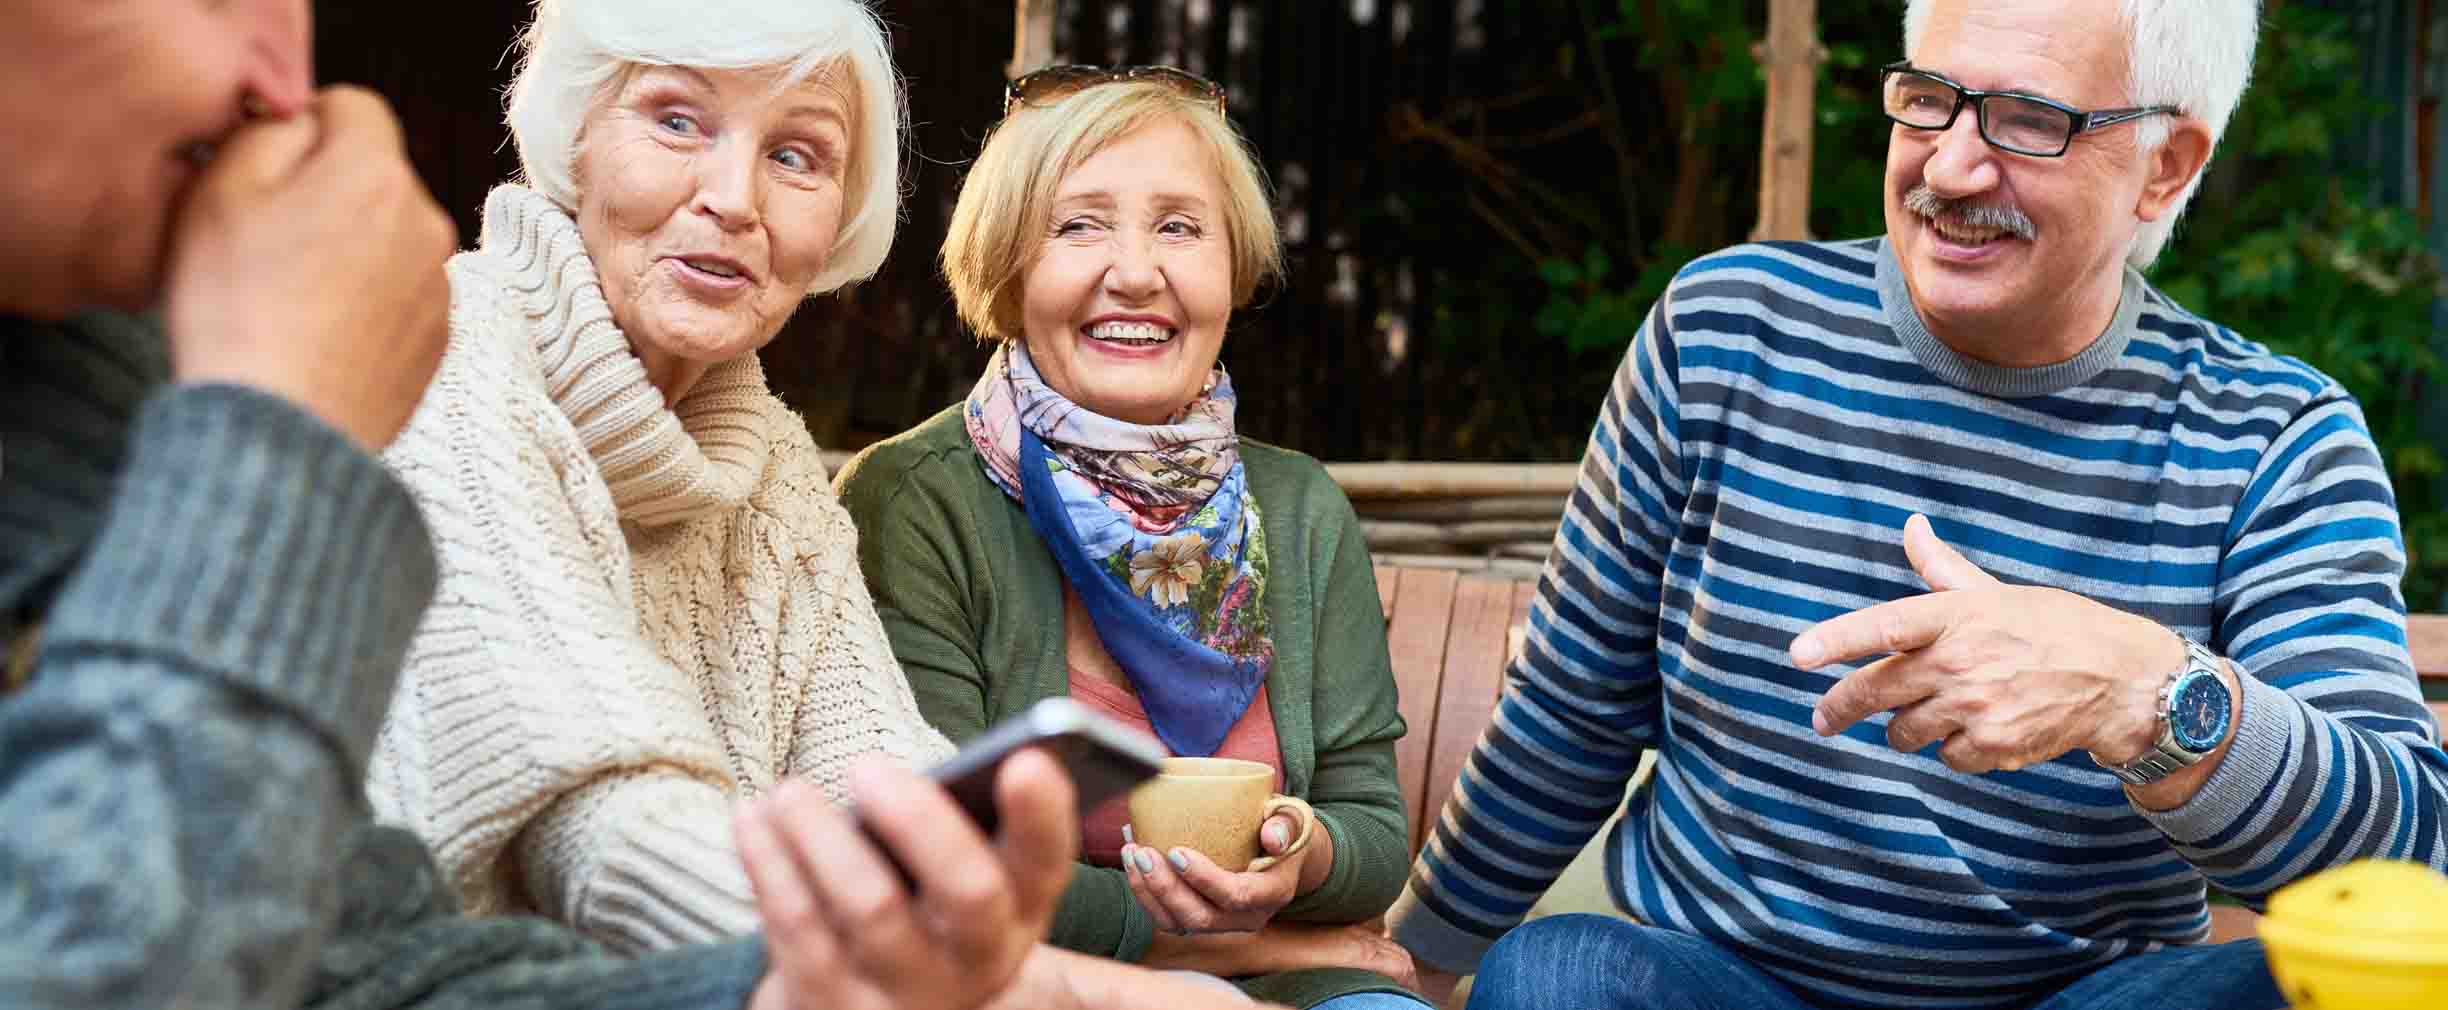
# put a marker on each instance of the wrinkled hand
(1365, 945)
(2001, 677)
(1436, 984)
(841, 930)
(1185, 892)
(307, 264)
(1054, 979)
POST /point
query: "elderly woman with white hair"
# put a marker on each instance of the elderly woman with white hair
(650, 608)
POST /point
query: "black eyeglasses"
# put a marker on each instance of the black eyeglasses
(1053, 84)
(2009, 121)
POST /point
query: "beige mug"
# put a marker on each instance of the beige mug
(1215, 806)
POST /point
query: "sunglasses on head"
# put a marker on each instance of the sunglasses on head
(1053, 84)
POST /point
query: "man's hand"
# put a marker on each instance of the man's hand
(2002, 677)
(307, 263)
(841, 930)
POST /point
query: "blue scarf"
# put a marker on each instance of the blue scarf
(1154, 528)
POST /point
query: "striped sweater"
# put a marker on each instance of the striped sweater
(1779, 416)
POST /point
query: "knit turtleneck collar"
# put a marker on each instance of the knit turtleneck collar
(1978, 376)
(663, 465)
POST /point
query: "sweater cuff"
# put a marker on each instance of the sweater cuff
(250, 543)
(1354, 866)
(641, 862)
(1418, 928)
(2264, 734)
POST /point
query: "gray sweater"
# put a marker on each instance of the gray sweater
(222, 589)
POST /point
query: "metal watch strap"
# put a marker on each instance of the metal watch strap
(2164, 757)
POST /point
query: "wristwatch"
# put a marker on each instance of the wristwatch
(2195, 716)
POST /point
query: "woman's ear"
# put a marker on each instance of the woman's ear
(2172, 166)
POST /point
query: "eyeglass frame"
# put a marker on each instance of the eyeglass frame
(1014, 92)
(2078, 121)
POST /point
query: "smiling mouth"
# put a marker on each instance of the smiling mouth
(718, 269)
(1963, 233)
(1130, 334)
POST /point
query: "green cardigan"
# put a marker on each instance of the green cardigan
(965, 587)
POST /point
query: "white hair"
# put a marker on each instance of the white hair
(2196, 55)
(576, 51)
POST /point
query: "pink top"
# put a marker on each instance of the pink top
(1250, 739)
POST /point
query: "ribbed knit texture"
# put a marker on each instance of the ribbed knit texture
(974, 604)
(645, 614)
(1778, 418)
(224, 587)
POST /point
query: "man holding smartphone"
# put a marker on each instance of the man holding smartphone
(207, 583)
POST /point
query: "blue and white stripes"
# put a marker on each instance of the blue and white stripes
(1779, 416)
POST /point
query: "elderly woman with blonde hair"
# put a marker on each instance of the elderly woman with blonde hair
(1089, 523)
(650, 628)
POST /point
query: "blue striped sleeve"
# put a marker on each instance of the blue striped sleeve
(1582, 701)
(2335, 757)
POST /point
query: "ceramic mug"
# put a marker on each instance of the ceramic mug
(1215, 806)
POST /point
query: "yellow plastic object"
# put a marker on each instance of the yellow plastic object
(2371, 935)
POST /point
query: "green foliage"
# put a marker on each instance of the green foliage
(2282, 245)
(2284, 248)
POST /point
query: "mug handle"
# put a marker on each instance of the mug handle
(1308, 826)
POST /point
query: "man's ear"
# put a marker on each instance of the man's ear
(2174, 164)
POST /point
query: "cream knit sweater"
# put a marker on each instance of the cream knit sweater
(645, 614)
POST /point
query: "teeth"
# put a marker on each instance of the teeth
(1963, 233)
(1131, 333)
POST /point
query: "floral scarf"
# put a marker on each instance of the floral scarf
(1155, 530)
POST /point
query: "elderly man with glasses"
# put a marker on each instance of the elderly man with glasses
(1981, 605)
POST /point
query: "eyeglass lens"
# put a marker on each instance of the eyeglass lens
(2017, 124)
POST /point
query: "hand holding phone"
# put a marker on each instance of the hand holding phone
(1104, 758)
(841, 931)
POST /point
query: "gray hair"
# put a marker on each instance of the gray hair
(2196, 55)
(576, 51)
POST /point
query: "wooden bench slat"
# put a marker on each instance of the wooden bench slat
(1423, 604)
(2427, 636)
(1474, 674)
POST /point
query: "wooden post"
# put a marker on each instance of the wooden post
(1032, 36)
(1791, 55)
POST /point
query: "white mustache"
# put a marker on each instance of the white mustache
(2006, 217)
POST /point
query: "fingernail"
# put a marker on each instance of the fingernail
(1819, 722)
(1146, 861)
(1274, 836)
(1127, 840)
(1181, 863)
(1806, 652)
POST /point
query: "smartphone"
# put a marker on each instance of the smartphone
(1104, 758)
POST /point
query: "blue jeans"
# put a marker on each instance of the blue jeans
(1593, 962)
(1371, 1001)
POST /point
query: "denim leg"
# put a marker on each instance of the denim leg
(1593, 962)
(1372, 1001)
(2210, 976)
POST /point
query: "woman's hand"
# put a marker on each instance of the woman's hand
(842, 931)
(1186, 893)
(1287, 946)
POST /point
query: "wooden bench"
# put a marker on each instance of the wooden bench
(1451, 634)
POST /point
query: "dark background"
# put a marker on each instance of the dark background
(1333, 364)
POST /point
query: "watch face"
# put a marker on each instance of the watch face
(2197, 716)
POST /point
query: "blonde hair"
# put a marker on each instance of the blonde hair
(577, 52)
(998, 225)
